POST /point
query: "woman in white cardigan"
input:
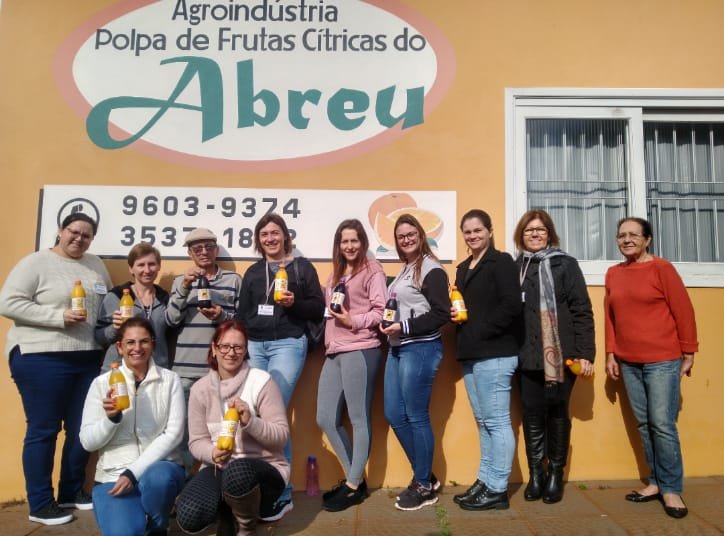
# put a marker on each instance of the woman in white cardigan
(139, 471)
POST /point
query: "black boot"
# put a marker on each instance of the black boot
(559, 438)
(486, 500)
(476, 488)
(534, 427)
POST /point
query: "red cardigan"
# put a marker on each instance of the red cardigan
(649, 316)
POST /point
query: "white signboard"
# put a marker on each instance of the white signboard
(163, 216)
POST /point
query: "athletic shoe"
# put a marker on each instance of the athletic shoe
(51, 514)
(345, 498)
(436, 485)
(415, 497)
(277, 512)
(82, 501)
(332, 492)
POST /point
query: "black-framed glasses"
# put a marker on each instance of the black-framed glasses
(530, 230)
(238, 349)
(409, 236)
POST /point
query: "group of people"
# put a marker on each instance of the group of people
(245, 351)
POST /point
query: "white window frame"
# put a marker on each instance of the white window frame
(584, 103)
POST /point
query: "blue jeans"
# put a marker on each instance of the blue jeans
(53, 387)
(409, 373)
(284, 360)
(145, 508)
(487, 382)
(653, 390)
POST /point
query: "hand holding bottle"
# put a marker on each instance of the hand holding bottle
(342, 316)
(286, 299)
(392, 329)
(580, 367)
(71, 318)
(219, 456)
(191, 275)
(213, 313)
(109, 405)
(243, 409)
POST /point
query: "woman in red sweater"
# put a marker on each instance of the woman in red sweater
(650, 342)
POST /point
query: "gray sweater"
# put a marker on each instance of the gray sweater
(37, 291)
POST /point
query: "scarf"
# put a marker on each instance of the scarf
(552, 352)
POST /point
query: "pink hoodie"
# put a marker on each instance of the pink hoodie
(365, 297)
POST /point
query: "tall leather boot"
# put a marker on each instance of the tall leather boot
(559, 438)
(534, 427)
(245, 510)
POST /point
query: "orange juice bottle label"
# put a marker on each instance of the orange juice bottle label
(228, 428)
(126, 311)
(77, 305)
(119, 389)
(459, 305)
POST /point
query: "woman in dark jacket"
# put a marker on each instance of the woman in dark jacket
(487, 348)
(277, 340)
(558, 325)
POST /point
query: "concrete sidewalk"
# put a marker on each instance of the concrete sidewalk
(591, 507)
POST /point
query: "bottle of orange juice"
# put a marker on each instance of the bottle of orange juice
(228, 430)
(461, 312)
(77, 299)
(126, 305)
(575, 366)
(119, 388)
(281, 282)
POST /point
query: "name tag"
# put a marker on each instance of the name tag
(327, 314)
(265, 310)
(100, 288)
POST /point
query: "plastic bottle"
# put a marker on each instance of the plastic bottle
(126, 305)
(575, 366)
(312, 477)
(228, 430)
(77, 299)
(337, 297)
(281, 283)
(204, 292)
(461, 312)
(389, 316)
(119, 388)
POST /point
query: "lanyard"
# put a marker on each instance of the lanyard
(524, 270)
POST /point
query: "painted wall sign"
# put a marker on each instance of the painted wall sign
(163, 216)
(256, 84)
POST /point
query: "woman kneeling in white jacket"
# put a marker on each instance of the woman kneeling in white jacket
(139, 472)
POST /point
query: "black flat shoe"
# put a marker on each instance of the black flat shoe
(676, 512)
(636, 497)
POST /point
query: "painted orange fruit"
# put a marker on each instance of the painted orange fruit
(389, 202)
(385, 230)
(431, 222)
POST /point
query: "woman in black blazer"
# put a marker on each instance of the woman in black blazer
(487, 347)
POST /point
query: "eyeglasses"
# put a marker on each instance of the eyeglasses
(530, 230)
(78, 234)
(130, 344)
(632, 236)
(409, 236)
(198, 248)
(239, 349)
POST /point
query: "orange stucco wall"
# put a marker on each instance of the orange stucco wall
(517, 43)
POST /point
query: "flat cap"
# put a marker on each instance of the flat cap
(198, 234)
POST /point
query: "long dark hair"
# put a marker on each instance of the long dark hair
(221, 330)
(423, 247)
(339, 261)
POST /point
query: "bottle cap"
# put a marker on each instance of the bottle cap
(312, 459)
(77, 282)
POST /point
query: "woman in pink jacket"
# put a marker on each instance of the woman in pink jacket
(352, 346)
(237, 486)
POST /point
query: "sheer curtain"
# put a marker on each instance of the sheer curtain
(577, 170)
(685, 189)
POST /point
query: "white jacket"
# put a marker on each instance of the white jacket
(150, 429)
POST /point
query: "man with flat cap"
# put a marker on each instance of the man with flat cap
(197, 325)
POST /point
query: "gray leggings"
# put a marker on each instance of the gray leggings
(348, 377)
